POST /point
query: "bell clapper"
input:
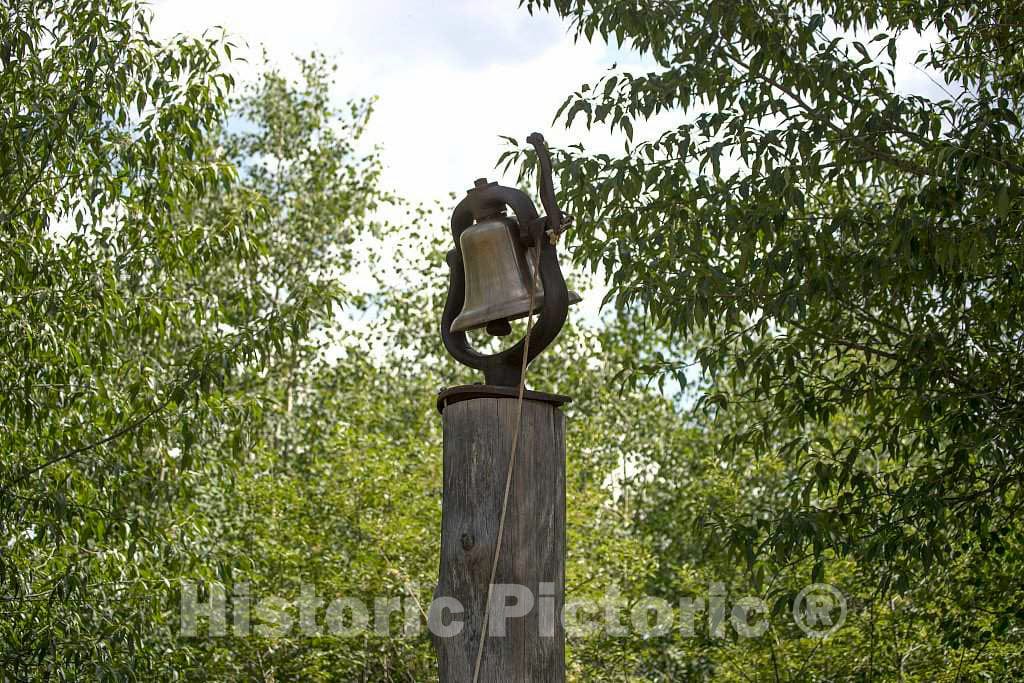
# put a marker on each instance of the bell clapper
(499, 328)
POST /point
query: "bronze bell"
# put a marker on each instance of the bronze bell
(499, 271)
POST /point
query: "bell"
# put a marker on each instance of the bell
(498, 272)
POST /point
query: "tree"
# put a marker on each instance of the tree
(847, 255)
(301, 502)
(121, 344)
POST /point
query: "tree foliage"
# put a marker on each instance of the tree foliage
(847, 256)
(189, 393)
(133, 303)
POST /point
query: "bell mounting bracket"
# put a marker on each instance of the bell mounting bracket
(489, 199)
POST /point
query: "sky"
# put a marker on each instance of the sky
(450, 75)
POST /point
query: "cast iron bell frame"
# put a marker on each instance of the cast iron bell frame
(488, 199)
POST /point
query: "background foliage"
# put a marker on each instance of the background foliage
(847, 256)
(196, 385)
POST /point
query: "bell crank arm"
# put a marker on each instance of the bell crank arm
(554, 222)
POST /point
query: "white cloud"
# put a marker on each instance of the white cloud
(450, 76)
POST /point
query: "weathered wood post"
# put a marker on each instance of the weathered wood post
(503, 507)
(530, 574)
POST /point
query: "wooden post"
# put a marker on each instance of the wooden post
(478, 432)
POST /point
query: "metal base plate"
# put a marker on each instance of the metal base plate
(465, 392)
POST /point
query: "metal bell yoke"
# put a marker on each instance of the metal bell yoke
(491, 270)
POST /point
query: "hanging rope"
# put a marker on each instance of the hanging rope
(511, 462)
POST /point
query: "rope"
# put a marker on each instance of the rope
(511, 464)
